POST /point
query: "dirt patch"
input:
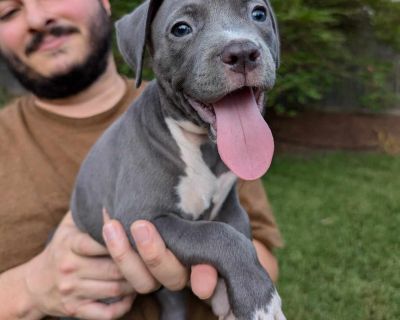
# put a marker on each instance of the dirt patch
(336, 131)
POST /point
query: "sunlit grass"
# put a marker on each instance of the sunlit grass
(340, 217)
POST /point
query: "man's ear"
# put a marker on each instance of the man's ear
(133, 32)
(107, 6)
(277, 43)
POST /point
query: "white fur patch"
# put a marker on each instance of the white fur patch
(224, 185)
(272, 312)
(199, 188)
(238, 34)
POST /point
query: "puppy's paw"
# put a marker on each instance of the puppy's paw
(273, 311)
(222, 308)
(220, 303)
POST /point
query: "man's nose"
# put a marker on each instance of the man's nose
(37, 15)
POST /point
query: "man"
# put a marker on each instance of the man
(60, 51)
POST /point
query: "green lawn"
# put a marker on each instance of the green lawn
(340, 217)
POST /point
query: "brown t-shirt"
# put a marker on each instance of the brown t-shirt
(40, 154)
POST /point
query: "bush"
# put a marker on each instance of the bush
(328, 42)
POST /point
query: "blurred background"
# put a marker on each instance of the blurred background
(335, 180)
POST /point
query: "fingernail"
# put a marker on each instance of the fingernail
(110, 233)
(141, 233)
(106, 216)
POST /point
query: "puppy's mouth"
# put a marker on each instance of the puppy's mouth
(206, 111)
(243, 138)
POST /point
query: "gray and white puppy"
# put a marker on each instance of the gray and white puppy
(161, 161)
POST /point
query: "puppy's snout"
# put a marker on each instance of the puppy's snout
(241, 57)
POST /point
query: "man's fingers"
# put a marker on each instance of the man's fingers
(267, 260)
(203, 280)
(84, 245)
(100, 269)
(128, 261)
(162, 264)
(96, 290)
(102, 311)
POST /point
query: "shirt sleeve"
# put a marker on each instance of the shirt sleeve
(254, 200)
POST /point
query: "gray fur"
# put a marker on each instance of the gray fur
(134, 169)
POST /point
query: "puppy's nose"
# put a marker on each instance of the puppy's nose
(241, 57)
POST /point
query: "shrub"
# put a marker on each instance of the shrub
(333, 41)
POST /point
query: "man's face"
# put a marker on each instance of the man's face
(43, 40)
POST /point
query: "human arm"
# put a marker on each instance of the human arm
(16, 301)
(66, 279)
(265, 231)
(53, 283)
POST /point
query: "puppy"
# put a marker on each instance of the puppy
(174, 156)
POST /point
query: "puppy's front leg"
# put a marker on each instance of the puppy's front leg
(251, 292)
(232, 213)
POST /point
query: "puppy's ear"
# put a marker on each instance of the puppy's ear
(133, 33)
(277, 43)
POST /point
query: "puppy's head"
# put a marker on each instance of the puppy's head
(210, 57)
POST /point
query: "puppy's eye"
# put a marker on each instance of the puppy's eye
(181, 29)
(259, 14)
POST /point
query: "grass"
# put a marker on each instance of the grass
(340, 217)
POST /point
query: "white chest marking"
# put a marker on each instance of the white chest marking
(199, 187)
(224, 185)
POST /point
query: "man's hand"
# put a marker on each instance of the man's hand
(155, 265)
(73, 273)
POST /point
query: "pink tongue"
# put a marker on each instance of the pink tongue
(244, 140)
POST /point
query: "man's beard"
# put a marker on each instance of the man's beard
(78, 77)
